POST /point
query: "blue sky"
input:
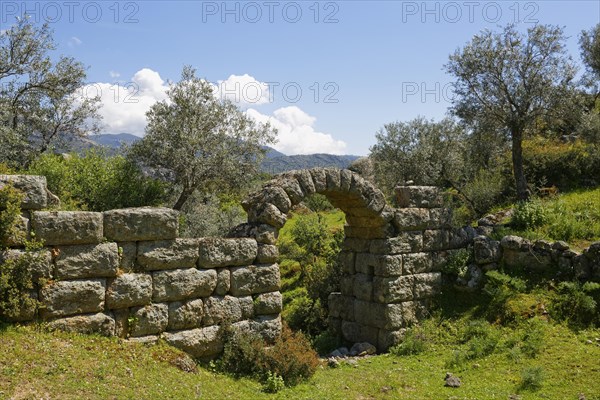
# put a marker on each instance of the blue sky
(327, 74)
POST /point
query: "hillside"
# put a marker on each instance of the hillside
(275, 162)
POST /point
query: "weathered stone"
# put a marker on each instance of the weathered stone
(100, 323)
(223, 281)
(412, 219)
(87, 261)
(217, 252)
(418, 196)
(247, 306)
(341, 306)
(33, 187)
(345, 180)
(405, 242)
(560, 245)
(427, 285)
(275, 195)
(417, 263)
(319, 179)
(332, 177)
(199, 343)
(128, 290)
(347, 284)
(64, 298)
(292, 188)
(219, 310)
(149, 320)
(512, 242)
(168, 254)
(356, 244)
(382, 316)
(485, 250)
(393, 289)
(121, 318)
(363, 287)
(127, 256)
(387, 339)
(67, 227)
(362, 349)
(146, 340)
(346, 261)
(365, 263)
(268, 326)
(181, 284)
(268, 303)
(267, 254)
(255, 279)
(389, 265)
(305, 180)
(137, 224)
(377, 232)
(374, 221)
(268, 214)
(436, 240)
(186, 315)
(39, 262)
(440, 218)
(266, 234)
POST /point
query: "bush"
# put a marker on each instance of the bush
(10, 210)
(532, 378)
(415, 342)
(529, 215)
(290, 358)
(457, 263)
(575, 303)
(501, 288)
(97, 182)
(317, 202)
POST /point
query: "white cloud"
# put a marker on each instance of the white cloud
(74, 41)
(124, 106)
(296, 133)
(244, 90)
(114, 74)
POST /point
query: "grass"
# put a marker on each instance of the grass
(38, 364)
(573, 217)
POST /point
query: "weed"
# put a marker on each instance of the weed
(415, 342)
(532, 378)
(273, 383)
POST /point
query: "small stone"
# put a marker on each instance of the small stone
(332, 362)
(362, 349)
(452, 381)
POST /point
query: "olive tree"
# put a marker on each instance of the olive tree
(40, 102)
(205, 143)
(589, 41)
(424, 151)
(510, 81)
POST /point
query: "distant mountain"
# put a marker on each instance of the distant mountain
(275, 162)
(276, 165)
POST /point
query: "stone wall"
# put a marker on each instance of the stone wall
(126, 273)
(555, 259)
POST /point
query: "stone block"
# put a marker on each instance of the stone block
(65, 298)
(389, 265)
(186, 315)
(223, 281)
(267, 254)
(346, 261)
(417, 263)
(167, 254)
(127, 256)
(87, 261)
(405, 242)
(39, 262)
(419, 196)
(138, 224)
(129, 290)
(217, 252)
(341, 306)
(268, 303)
(100, 323)
(412, 219)
(254, 279)
(149, 320)
(427, 285)
(181, 284)
(198, 343)
(363, 287)
(67, 227)
(218, 310)
(33, 187)
(393, 289)
(486, 251)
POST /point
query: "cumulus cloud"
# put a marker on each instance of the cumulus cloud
(124, 108)
(124, 105)
(244, 90)
(296, 132)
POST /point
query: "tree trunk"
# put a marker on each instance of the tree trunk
(185, 194)
(517, 159)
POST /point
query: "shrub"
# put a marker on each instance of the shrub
(274, 383)
(290, 358)
(532, 378)
(415, 342)
(501, 288)
(457, 263)
(575, 303)
(317, 202)
(529, 215)
(10, 210)
(97, 182)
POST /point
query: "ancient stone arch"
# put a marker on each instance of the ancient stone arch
(391, 257)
